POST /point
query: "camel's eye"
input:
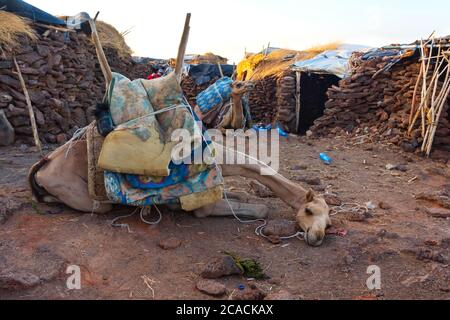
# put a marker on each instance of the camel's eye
(309, 212)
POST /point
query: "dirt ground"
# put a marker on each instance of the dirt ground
(410, 246)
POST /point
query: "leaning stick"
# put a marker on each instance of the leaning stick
(413, 104)
(220, 70)
(104, 65)
(183, 46)
(436, 121)
(30, 108)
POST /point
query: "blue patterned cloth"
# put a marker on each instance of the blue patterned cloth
(120, 191)
(215, 95)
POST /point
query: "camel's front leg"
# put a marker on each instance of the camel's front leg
(244, 210)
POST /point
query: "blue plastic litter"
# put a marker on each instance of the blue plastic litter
(282, 132)
(325, 158)
(258, 128)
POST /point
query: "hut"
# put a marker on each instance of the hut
(282, 95)
(398, 94)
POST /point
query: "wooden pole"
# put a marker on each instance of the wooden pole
(220, 70)
(298, 105)
(30, 109)
(182, 47)
(104, 65)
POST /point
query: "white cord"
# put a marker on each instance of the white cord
(121, 225)
(147, 211)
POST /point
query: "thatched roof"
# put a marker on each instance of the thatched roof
(274, 64)
(12, 29)
(111, 38)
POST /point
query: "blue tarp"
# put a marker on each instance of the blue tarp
(330, 62)
(203, 73)
(26, 10)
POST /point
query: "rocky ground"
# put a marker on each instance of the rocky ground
(406, 234)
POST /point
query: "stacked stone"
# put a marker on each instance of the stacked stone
(64, 81)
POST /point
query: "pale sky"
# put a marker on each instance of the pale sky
(229, 27)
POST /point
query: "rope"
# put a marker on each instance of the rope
(114, 223)
(350, 207)
(146, 211)
(79, 134)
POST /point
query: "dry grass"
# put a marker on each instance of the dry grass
(12, 29)
(111, 38)
(259, 66)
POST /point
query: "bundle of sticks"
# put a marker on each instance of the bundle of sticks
(430, 110)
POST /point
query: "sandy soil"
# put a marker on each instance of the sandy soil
(411, 247)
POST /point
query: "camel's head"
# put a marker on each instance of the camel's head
(242, 87)
(314, 219)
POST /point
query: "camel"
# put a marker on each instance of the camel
(61, 177)
(229, 115)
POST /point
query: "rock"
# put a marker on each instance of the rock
(430, 255)
(282, 295)
(397, 167)
(384, 206)
(19, 280)
(309, 180)
(211, 287)
(431, 243)
(170, 244)
(280, 228)
(333, 200)
(5, 98)
(221, 267)
(7, 135)
(251, 293)
(388, 235)
(349, 260)
(9, 81)
(299, 167)
(390, 167)
(438, 213)
(445, 243)
(356, 217)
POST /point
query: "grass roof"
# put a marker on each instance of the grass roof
(12, 29)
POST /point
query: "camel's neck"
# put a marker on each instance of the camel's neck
(291, 193)
(238, 111)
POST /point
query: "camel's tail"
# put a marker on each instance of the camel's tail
(37, 191)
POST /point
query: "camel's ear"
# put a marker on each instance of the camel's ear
(310, 196)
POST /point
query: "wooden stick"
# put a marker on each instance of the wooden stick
(30, 108)
(104, 65)
(62, 29)
(436, 121)
(220, 69)
(439, 103)
(182, 47)
(413, 104)
(298, 104)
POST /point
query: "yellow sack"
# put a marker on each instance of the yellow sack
(136, 147)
